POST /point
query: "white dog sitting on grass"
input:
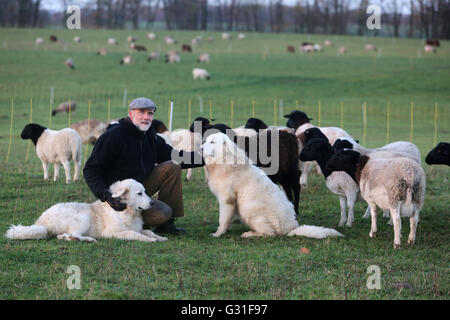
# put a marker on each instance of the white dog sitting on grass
(87, 222)
(243, 189)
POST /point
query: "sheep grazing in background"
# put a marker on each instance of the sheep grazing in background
(210, 39)
(339, 183)
(69, 64)
(342, 50)
(195, 41)
(439, 155)
(170, 40)
(68, 106)
(173, 57)
(137, 47)
(127, 60)
(102, 52)
(153, 56)
(77, 39)
(131, 39)
(112, 42)
(39, 41)
(201, 74)
(328, 43)
(57, 147)
(433, 42)
(288, 172)
(290, 49)
(241, 36)
(429, 49)
(203, 58)
(186, 48)
(151, 36)
(53, 38)
(89, 130)
(370, 47)
(307, 48)
(394, 184)
(318, 48)
(226, 36)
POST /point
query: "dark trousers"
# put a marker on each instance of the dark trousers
(165, 178)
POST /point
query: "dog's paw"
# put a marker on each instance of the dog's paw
(216, 235)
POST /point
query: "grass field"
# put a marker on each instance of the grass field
(255, 72)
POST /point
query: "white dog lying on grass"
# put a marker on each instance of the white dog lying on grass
(87, 222)
(243, 189)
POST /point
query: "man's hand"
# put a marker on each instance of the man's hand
(113, 202)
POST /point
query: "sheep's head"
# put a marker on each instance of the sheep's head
(342, 144)
(205, 124)
(296, 119)
(256, 124)
(32, 131)
(316, 149)
(439, 155)
(313, 133)
(344, 160)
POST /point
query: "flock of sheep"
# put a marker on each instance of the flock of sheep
(390, 177)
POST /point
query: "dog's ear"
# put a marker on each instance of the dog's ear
(122, 192)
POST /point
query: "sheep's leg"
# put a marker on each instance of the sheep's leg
(56, 171)
(387, 214)
(307, 166)
(413, 221)
(395, 213)
(367, 213)
(76, 175)
(189, 174)
(296, 188)
(373, 214)
(351, 205)
(343, 204)
(226, 215)
(66, 165)
(45, 167)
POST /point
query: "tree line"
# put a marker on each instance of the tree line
(408, 18)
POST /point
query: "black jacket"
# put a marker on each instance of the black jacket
(125, 152)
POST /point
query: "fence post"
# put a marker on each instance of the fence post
(10, 129)
(342, 114)
(412, 123)
(388, 119)
(253, 108)
(364, 122)
(274, 112)
(70, 113)
(189, 112)
(435, 124)
(89, 127)
(232, 113)
(210, 109)
(319, 113)
(31, 120)
(109, 109)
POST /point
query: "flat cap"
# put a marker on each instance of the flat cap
(142, 103)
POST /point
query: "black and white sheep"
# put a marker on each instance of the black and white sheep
(394, 184)
(339, 183)
(439, 155)
(57, 147)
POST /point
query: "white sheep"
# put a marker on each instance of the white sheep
(77, 39)
(370, 47)
(127, 60)
(395, 184)
(342, 50)
(39, 41)
(201, 74)
(173, 57)
(131, 39)
(204, 57)
(318, 48)
(151, 36)
(170, 40)
(241, 36)
(112, 42)
(102, 52)
(226, 36)
(55, 146)
(328, 43)
(430, 49)
(307, 48)
(69, 64)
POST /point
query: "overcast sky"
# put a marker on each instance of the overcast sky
(57, 5)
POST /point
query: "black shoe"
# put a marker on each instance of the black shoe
(170, 228)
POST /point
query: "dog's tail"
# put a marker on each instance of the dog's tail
(314, 232)
(23, 232)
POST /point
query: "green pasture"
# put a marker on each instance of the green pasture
(396, 93)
